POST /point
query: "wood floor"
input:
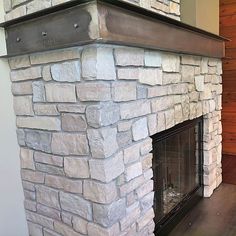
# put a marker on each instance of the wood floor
(229, 169)
(215, 216)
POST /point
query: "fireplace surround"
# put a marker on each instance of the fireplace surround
(87, 106)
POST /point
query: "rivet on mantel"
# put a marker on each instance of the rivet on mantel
(76, 26)
(18, 39)
(44, 34)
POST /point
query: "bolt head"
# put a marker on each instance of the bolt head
(76, 26)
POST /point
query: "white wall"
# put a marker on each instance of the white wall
(12, 215)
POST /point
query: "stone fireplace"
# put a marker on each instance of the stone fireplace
(86, 115)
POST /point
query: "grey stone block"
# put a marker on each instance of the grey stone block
(76, 205)
(107, 215)
(38, 140)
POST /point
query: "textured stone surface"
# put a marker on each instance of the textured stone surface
(104, 114)
(48, 232)
(48, 196)
(145, 219)
(38, 140)
(100, 193)
(43, 123)
(150, 76)
(132, 153)
(23, 105)
(46, 73)
(170, 63)
(60, 93)
(35, 229)
(32, 176)
(153, 59)
(15, 13)
(69, 144)
(66, 72)
(49, 212)
(188, 74)
(128, 73)
(85, 143)
(133, 213)
(135, 109)
(39, 219)
(54, 170)
(55, 56)
(64, 229)
(76, 205)
(94, 92)
(80, 225)
(107, 215)
(139, 129)
(76, 167)
(129, 57)
(171, 78)
(190, 60)
(68, 185)
(199, 83)
(48, 159)
(162, 103)
(71, 108)
(170, 8)
(133, 171)
(125, 91)
(45, 110)
(38, 5)
(99, 140)
(108, 169)
(26, 74)
(94, 229)
(38, 91)
(98, 63)
(27, 159)
(22, 88)
(73, 122)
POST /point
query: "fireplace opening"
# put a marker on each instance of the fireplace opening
(177, 173)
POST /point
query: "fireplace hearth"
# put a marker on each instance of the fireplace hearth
(177, 168)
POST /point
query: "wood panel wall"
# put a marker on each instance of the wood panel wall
(228, 29)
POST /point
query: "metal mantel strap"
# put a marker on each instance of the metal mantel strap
(65, 28)
(106, 21)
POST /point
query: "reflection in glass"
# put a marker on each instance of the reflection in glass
(176, 169)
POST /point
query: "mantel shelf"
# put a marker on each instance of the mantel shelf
(104, 21)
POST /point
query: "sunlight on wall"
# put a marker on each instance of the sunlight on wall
(201, 13)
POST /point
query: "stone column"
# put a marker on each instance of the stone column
(85, 116)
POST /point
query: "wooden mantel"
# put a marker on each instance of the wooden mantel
(105, 21)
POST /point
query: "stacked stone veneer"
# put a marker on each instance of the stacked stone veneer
(17, 8)
(85, 116)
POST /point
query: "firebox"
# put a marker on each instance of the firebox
(177, 173)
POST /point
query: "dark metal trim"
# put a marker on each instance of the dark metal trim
(176, 129)
(44, 12)
(71, 27)
(118, 3)
(109, 20)
(187, 205)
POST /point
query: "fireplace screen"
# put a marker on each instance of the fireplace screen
(177, 167)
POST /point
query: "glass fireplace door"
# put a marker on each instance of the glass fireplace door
(176, 167)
